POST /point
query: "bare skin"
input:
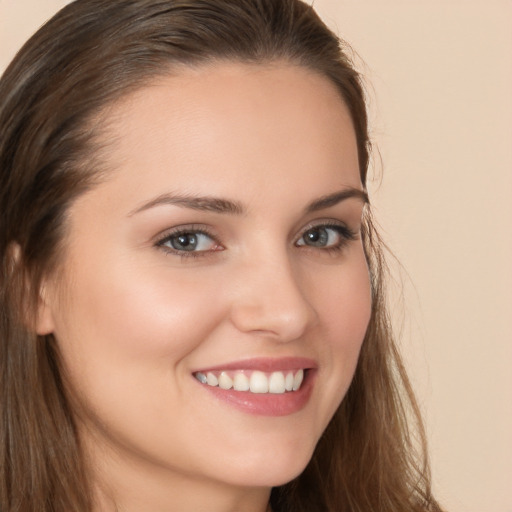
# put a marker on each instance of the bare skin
(209, 245)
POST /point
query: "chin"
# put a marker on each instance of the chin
(278, 468)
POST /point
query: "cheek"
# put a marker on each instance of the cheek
(132, 320)
(126, 339)
(344, 308)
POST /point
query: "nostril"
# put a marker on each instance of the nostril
(285, 322)
(270, 299)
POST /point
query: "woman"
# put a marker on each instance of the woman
(193, 312)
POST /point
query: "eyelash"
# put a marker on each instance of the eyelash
(187, 230)
(345, 233)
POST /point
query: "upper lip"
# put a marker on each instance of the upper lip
(264, 364)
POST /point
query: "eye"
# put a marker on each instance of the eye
(186, 242)
(326, 237)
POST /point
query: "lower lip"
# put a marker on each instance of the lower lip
(266, 404)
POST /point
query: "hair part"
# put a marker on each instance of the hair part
(92, 53)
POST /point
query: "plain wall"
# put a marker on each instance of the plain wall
(441, 110)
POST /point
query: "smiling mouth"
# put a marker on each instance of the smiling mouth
(278, 382)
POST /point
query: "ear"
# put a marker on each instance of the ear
(45, 323)
(45, 311)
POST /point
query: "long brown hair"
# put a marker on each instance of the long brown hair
(90, 54)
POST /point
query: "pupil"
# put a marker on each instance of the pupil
(185, 242)
(313, 236)
(316, 237)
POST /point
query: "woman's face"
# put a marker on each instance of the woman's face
(224, 246)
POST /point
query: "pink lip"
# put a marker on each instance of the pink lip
(264, 365)
(267, 404)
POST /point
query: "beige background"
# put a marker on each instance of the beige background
(441, 75)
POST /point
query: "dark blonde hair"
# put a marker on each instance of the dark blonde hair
(89, 55)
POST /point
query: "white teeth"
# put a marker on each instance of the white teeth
(276, 383)
(225, 381)
(201, 377)
(241, 382)
(288, 383)
(258, 382)
(211, 379)
(297, 380)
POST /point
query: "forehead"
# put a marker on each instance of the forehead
(228, 125)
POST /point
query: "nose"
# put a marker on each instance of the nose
(270, 300)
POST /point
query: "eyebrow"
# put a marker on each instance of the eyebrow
(337, 197)
(207, 204)
(227, 206)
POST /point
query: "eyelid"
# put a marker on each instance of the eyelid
(342, 227)
(345, 232)
(166, 235)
